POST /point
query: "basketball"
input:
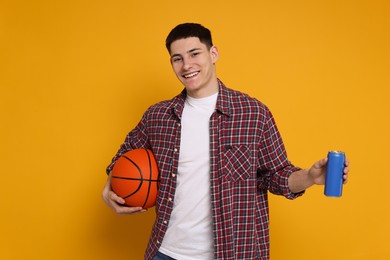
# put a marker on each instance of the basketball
(135, 178)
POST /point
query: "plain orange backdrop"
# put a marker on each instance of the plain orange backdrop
(76, 76)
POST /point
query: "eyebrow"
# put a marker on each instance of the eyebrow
(190, 51)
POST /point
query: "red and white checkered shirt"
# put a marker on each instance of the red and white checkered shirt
(248, 159)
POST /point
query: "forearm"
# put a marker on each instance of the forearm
(300, 181)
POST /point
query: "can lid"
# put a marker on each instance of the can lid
(335, 151)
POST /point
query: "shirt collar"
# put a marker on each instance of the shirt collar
(178, 104)
(224, 99)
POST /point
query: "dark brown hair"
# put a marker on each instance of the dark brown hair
(187, 30)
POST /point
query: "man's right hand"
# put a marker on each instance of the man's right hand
(117, 203)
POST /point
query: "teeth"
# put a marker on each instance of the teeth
(191, 75)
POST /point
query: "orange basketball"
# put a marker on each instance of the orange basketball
(135, 178)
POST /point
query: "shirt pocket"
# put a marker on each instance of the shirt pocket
(237, 162)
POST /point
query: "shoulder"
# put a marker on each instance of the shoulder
(241, 102)
(165, 106)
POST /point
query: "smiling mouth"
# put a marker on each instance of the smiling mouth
(190, 75)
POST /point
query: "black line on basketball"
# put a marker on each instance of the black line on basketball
(141, 176)
(150, 177)
(133, 179)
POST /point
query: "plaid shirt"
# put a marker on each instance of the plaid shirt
(248, 158)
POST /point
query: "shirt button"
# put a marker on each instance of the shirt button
(170, 199)
(158, 242)
(165, 222)
(175, 150)
(173, 175)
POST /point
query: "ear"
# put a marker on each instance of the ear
(214, 54)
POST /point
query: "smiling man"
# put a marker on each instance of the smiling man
(219, 153)
(194, 64)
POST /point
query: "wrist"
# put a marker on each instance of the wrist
(310, 177)
(300, 180)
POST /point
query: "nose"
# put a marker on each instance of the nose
(187, 64)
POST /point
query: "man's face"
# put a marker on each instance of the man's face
(193, 64)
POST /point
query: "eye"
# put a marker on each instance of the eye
(195, 54)
(176, 59)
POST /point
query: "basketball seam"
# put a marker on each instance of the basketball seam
(141, 175)
(133, 179)
(150, 178)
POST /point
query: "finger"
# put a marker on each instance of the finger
(116, 198)
(116, 203)
(122, 209)
(345, 176)
(130, 210)
(346, 163)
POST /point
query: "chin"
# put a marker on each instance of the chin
(191, 85)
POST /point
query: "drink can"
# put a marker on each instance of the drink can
(334, 174)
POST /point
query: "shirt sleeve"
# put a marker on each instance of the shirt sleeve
(274, 169)
(137, 138)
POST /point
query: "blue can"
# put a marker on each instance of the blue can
(334, 174)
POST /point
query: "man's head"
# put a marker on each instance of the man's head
(193, 57)
(186, 30)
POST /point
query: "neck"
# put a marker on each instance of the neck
(211, 89)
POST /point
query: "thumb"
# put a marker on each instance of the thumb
(321, 163)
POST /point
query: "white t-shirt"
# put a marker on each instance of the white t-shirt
(189, 235)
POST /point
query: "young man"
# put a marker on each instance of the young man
(219, 153)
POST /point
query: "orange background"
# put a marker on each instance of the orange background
(76, 76)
